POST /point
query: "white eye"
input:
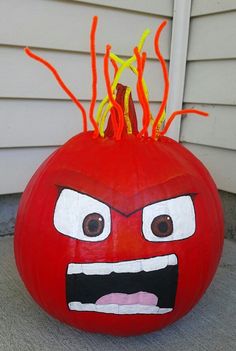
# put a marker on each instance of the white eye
(81, 216)
(169, 220)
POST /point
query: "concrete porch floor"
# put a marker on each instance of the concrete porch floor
(211, 325)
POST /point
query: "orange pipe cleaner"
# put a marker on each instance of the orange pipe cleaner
(114, 64)
(118, 108)
(140, 90)
(165, 75)
(94, 75)
(180, 112)
(113, 115)
(61, 83)
(113, 119)
(117, 114)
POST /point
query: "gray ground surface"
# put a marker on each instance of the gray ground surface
(210, 326)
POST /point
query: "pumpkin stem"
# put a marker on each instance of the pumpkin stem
(125, 101)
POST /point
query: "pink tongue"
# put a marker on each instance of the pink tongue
(140, 298)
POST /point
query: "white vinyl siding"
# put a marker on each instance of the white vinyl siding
(211, 86)
(203, 7)
(18, 164)
(27, 78)
(35, 114)
(50, 123)
(154, 7)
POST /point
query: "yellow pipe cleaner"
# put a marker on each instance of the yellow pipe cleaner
(126, 110)
(101, 120)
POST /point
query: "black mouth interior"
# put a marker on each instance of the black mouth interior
(89, 288)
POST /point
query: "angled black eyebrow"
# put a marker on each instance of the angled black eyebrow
(61, 188)
(152, 203)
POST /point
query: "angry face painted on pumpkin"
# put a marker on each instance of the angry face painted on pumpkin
(118, 232)
(130, 286)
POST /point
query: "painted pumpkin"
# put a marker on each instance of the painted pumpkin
(118, 232)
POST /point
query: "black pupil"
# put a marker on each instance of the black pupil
(162, 226)
(93, 224)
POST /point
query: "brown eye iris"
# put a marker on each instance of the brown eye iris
(93, 225)
(162, 226)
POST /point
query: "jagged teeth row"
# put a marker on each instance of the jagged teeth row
(147, 265)
(118, 309)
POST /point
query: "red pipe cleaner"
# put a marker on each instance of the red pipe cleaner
(165, 75)
(180, 112)
(140, 91)
(118, 108)
(94, 75)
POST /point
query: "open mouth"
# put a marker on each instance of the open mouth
(145, 286)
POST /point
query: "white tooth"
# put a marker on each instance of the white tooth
(118, 309)
(97, 268)
(153, 264)
(147, 265)
(164, 310)
(127, 266)
(75, 268)
(111, 308)
(140, 309)
(172, 260)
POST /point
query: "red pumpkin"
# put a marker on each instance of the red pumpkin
(119, 236)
